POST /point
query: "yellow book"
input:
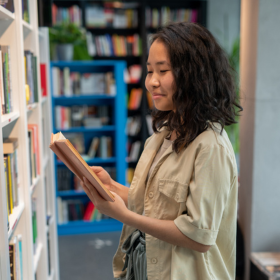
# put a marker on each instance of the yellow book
(10, 183)
(7, 190)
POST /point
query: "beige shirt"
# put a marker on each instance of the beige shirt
(197, 189)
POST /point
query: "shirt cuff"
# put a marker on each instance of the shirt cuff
(202, 236)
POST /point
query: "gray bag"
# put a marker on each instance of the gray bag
(135, 260)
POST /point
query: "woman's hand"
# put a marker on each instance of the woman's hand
(103, 175)
(116, 210)
(109, 183)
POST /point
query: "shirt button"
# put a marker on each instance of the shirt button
(151, 195)
(154, 260)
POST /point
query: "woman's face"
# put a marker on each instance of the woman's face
(160, 80)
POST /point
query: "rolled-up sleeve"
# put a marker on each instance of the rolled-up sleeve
(208, 194)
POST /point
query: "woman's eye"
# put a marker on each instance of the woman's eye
(149, 72)
(163, 71)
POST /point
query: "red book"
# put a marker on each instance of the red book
(88, 212)
(43, 69)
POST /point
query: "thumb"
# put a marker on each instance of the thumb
(96, 169)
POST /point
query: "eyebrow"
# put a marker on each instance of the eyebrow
(159, 62)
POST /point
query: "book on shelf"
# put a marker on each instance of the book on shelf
(33, 132)
(79, 116)
(115, 45)
(133, 125)
(160, 17)
(67, 83)
(15, 255)
(135, 98)
(134, 151)
(129, 174)
(43, 72)
(11, 172)
(34, 224)
(66, 152)
(71, 14)
(6, 87)
(133, 74)
(98, 16)
(31, 81)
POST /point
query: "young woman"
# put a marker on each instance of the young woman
(183, 198)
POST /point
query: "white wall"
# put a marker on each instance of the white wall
(223, 21)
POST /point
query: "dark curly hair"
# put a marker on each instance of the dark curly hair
(204, 86)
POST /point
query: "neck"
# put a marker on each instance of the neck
(173, 135)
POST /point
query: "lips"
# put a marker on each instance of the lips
(157, 95)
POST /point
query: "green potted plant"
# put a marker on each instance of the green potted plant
(68, 42)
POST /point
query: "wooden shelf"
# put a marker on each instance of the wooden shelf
(14, 219)
(9, 118)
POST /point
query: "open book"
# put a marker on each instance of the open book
(67, 153)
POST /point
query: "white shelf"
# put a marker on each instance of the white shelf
(5, 14)
(46, 160)
(14, 219)
(50, 223)
(34, 185)
(27, 28)
(51, 276)
(37, 256)
(44, 99)
(8, 118)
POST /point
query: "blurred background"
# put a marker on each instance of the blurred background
(92, 74)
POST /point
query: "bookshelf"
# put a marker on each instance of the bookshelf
(67, 194)
(144, 12)
(40, 259)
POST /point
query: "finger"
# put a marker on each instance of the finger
(96, 169)
(92, 190)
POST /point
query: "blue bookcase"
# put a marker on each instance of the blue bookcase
(116, 130)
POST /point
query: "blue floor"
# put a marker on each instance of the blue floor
(87, 256)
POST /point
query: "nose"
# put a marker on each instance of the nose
(154, 81)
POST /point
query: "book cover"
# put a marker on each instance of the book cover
(10, 145)
(63, 148)
(43, 72)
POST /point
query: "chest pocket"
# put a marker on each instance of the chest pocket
(173, 197)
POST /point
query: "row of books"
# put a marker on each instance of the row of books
(134, 149)
(76, 210)
(31, 80)
(5, 80)
(67, 181)
(133, 125)
(100, 17)
(34, 158)
(160, 17)
(69, 83)
(15, 256)
(71, 14)
(135, 98)
(81, 116)
(10, 151)
(133, 73)
(114, 45)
